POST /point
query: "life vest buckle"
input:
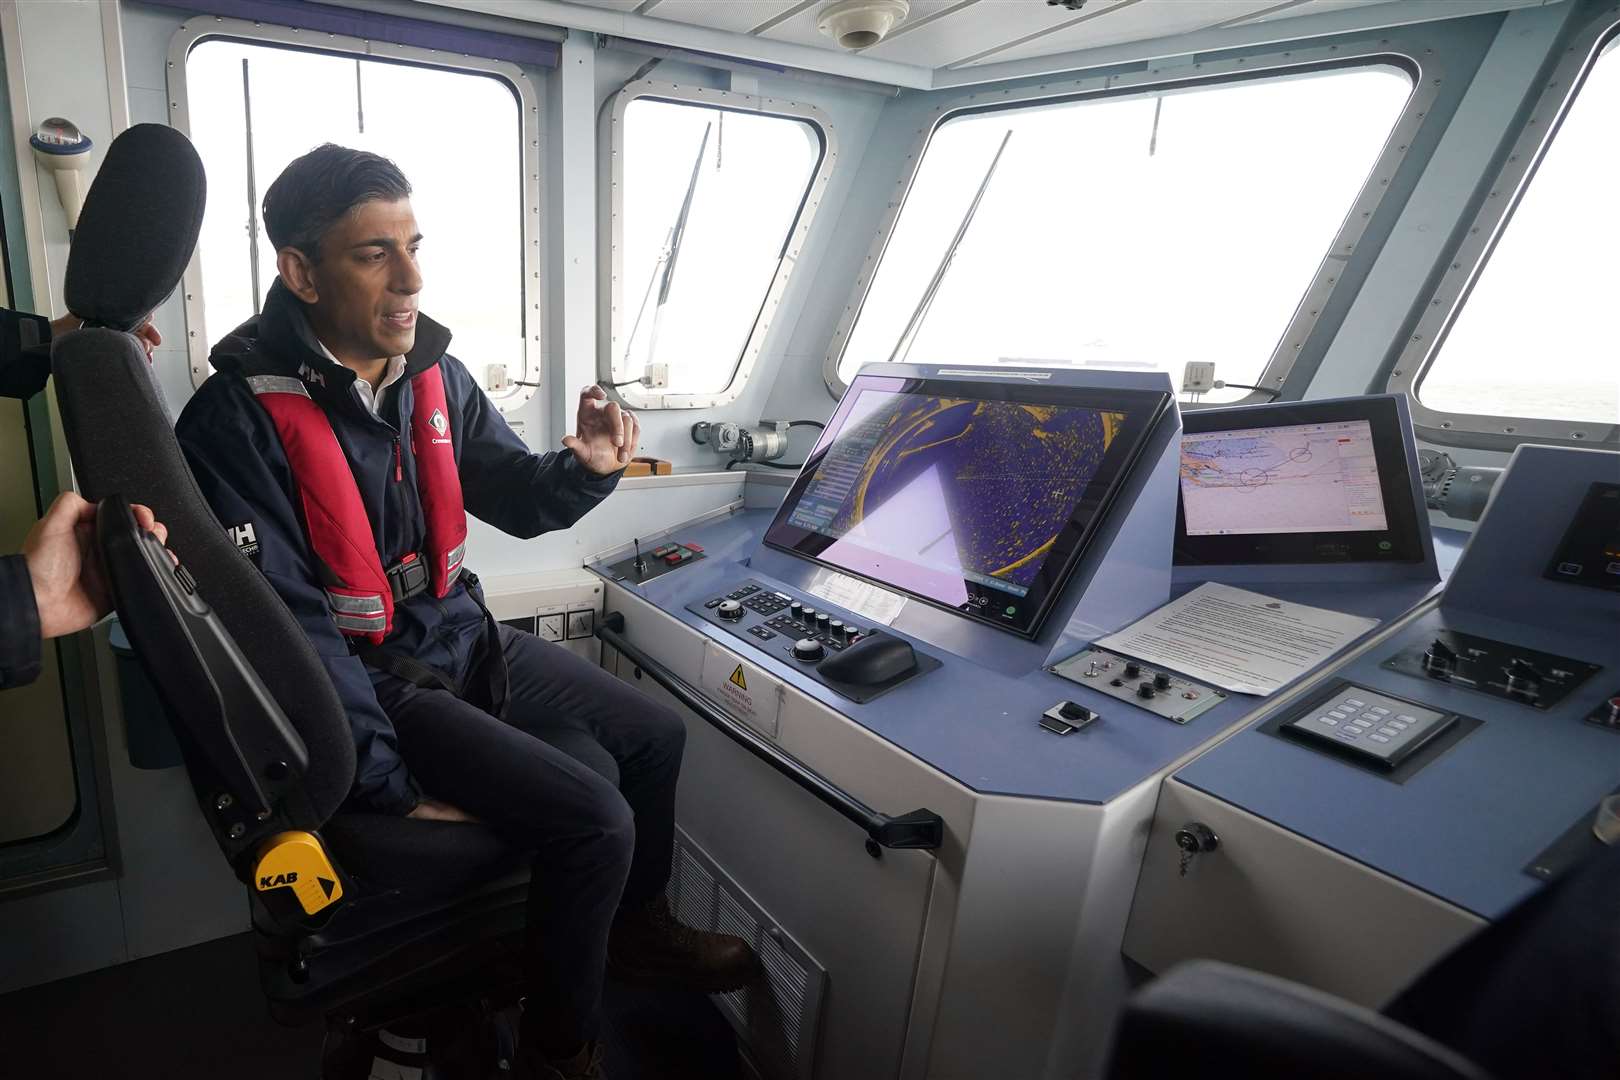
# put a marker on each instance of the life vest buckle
(407, 577)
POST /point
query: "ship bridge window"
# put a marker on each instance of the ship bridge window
(459, 136)
(1534, 335)
(708, 207)
(1140, 230)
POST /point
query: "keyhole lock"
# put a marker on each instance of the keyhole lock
(1195, 838)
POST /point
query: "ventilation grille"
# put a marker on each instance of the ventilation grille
(777, 1021)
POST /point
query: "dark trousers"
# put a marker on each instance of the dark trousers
(582, 771)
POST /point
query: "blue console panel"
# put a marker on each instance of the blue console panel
(970, 721)
(1465, 825)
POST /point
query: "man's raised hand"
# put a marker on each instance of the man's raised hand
(606, 436)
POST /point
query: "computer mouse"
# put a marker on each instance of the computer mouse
(872, 661)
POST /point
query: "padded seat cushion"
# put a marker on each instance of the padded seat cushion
(383, 853)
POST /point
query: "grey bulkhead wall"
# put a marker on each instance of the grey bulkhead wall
(1506, 66)
(854, 115)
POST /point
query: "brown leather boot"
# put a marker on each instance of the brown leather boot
(585, 1065)
(649, 946)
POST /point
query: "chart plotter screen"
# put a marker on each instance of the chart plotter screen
(1298, 478)
(1298, 482)
(977, 497)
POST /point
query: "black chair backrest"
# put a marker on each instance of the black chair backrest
(119, 436)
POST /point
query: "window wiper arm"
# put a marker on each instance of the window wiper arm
(676, 235)
(666, 259)
(920, 313)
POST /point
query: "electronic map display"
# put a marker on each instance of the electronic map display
(1300, 483)
(1298, 478)
(970, 501)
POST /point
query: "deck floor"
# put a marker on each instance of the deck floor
(197, 1012)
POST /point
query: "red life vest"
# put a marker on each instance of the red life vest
(335, 521)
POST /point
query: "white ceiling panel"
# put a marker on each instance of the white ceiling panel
(972, 29)
(802, 29)
(610, 5)
(1303, 7)
(1135, 20)
(738, 16)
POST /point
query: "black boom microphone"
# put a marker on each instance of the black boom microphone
(138, 228)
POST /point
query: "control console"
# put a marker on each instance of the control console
(1503, 670)
(1161, 692)
(854, 660)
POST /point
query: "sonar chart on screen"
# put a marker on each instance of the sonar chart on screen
(1294, 479)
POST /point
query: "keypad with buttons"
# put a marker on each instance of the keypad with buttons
(1378, 729)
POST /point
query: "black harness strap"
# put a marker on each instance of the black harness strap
(488, 685)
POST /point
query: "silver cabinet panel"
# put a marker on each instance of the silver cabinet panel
(1268, 899)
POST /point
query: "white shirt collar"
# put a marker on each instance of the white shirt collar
(368, 397)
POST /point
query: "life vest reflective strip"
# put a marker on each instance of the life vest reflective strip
(338, 530)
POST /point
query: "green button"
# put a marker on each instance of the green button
(1012, 609)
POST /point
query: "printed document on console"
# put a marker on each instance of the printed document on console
(1237, 639)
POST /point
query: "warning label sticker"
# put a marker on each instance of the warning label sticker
(743, 690)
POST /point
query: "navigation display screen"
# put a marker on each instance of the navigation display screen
(1297, 482)
(1299, 478)
(974, 496)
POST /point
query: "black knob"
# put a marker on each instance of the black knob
(808, 650)
(729, 610)
(851, 631)
(1132, 670)
(835, 629)
(823, 620)
(795, 611)
(808, 616)
(1196, 838)
(1145, 690)
(1523, 680)
(1439, 659)
(1161, 681)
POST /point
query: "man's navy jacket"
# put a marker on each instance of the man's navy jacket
(232, 447)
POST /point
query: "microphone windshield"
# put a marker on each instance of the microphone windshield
(138, 227)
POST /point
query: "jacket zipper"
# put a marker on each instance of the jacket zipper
(399, 462)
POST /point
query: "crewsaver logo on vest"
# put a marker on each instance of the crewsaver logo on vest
(246, 540)
(438, 423)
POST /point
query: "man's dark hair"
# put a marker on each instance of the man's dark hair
(320, 187)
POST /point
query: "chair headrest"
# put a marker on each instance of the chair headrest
(138, 228)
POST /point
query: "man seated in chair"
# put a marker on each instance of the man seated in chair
(342, 447)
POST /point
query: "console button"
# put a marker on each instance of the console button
(730, 610)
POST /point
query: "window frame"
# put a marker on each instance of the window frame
(1300, 338)
(611, 232)
(1465, 261)
(195, 31)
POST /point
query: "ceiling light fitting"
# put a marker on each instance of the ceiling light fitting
(860, 24)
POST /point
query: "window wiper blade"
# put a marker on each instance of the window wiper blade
(678, 234)
(920, 313)
(666, 260)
